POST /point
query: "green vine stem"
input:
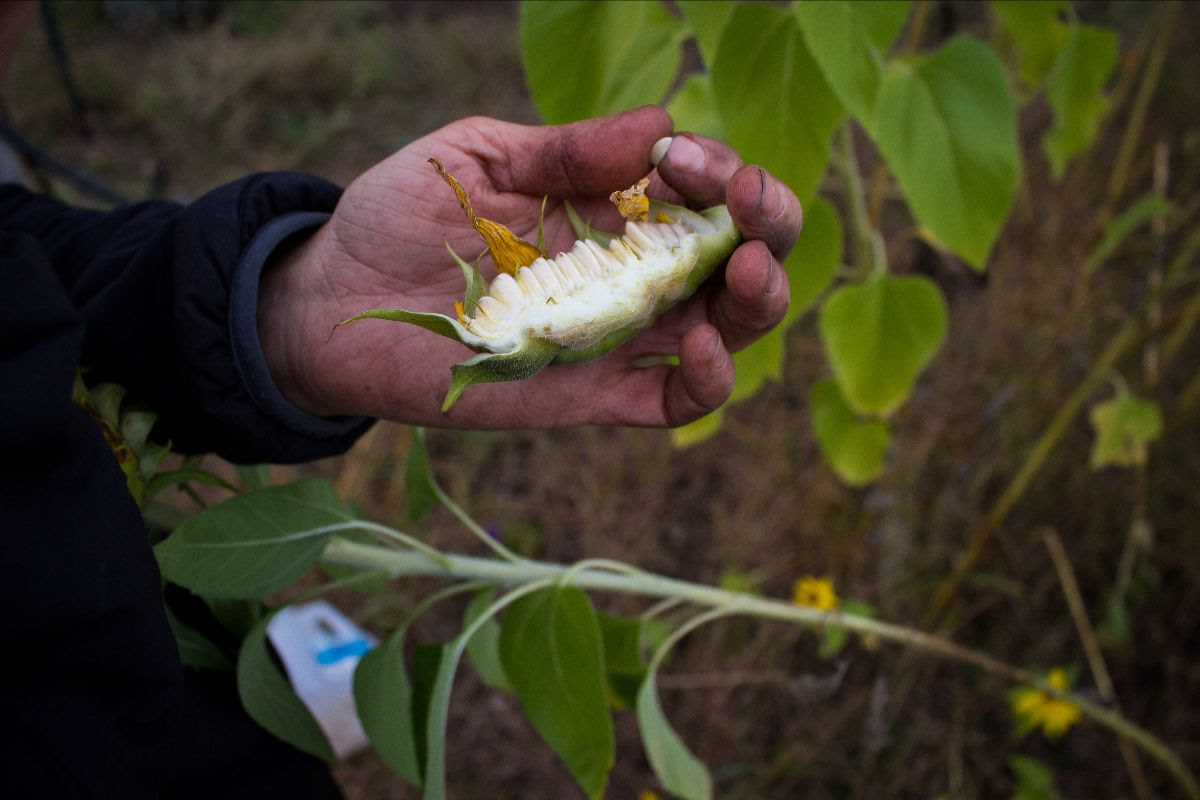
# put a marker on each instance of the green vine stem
(870, 255)
(1137, 115)
(1133, 331)
(401, 563)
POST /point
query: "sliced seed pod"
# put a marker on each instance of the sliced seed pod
(580, 304)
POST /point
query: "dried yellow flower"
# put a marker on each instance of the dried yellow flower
(632, 203)
(509, 251)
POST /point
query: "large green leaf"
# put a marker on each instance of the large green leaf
(850, 40)
(707, 20)
(813, 262)
(551, 649)
(268, 697)
(775, 107)
(694, 107)
(586, 59)
(878, 337)
(384, 699)
(755, 365)
(699, 430)
(1125, 425)
(1036, 31)
(253, 544)
(854, 448)
(946, 125)
(1074, 91)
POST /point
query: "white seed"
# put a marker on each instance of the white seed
(621, 252)
(584, 256)
(528, 281)
(587, 269)
(635, 235)
(491, 308)
(659, 150)
(568, 275)
(607, 262)
(546, 277)
(505, 289)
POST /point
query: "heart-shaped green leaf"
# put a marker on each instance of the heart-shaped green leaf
(854, 448)
(849, 40)
(1037, 33)
(1074, 91)
(775, 106)
(946, 125)
(878, 337)
(589, 59)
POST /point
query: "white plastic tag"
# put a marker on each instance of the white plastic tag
(320, 647)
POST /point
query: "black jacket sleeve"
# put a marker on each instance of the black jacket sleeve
(168, 296)
(160, 298)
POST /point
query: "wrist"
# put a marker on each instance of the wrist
(289, 288)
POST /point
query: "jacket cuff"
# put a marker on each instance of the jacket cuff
(280, 234)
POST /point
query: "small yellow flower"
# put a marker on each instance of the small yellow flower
(647, 794)
(509, 251)
(1033, 708)
(816, 593)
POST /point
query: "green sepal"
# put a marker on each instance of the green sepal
(437, 323)
(585, 231)
(497, 367)
(606, 344)
(477, 286)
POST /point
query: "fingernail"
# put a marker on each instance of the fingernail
(686, 156)
(771, 283)
(771, 206)
(659, 150)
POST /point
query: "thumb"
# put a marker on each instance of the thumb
(582, 159)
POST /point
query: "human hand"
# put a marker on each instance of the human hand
(384, 247)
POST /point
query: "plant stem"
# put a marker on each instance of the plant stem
(1117, 347)
(1137, 116)
(1091, 648)
(870, 256)
(496, 572)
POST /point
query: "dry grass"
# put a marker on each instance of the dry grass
(332, 88)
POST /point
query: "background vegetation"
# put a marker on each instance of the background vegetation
(180, 96)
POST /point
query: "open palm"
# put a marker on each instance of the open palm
(385, 248)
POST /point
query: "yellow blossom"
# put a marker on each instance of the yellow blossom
(1034, 708)
(509, 251)
(816, 593)
(647, 794)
